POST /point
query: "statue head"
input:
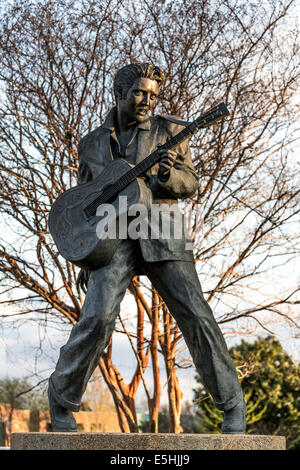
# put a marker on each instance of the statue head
(127, 75)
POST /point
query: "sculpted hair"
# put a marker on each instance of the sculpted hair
(126, 76)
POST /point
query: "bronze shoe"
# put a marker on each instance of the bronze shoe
(235, 419)
(62, 419)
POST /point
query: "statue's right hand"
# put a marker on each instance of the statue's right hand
(82, 281)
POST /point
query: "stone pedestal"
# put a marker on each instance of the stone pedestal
(135, 442)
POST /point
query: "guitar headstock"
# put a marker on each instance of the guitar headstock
(213, 115)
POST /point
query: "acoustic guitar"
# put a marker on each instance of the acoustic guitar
(73, 218)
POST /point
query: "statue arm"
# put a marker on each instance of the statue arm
(181, 180)
(84, 171)
(84, 175)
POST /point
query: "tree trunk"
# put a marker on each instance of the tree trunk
(155, 400)
(174, 391)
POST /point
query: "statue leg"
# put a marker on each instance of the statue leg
(91, 334)
(178, 284)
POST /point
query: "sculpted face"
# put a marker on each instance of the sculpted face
(139, 100)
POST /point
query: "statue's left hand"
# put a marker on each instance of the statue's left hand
(168, 158)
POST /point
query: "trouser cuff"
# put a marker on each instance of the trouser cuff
(61, 400)
(230, 403)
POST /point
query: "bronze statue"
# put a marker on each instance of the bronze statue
(129, 134)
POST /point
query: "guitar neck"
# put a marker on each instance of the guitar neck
(205, 120)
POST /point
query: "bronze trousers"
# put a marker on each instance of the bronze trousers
(178, 284)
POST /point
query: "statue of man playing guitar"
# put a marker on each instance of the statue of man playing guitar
(131, 133)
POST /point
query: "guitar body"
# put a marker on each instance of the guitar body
(75, 234)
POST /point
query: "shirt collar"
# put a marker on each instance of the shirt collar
(109, 122)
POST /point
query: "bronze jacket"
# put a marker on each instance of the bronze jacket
(95, 153)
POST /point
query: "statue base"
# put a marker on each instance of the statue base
(145, 441)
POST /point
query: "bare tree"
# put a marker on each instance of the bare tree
(58, 60)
